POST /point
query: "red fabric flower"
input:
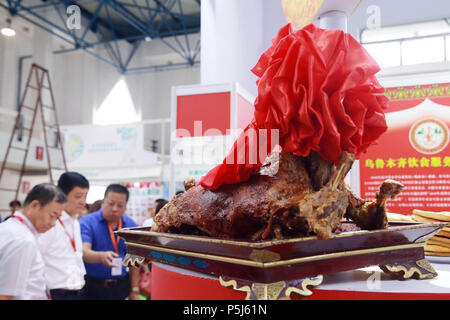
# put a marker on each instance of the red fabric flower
(318, 88)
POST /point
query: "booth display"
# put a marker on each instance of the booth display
(415, 150)
(269, 219)
(142, 197)
(361, 284)
(290, 264)
(205, 122)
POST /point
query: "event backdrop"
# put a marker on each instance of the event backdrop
(415, 150)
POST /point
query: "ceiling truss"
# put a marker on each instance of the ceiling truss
(110, 23)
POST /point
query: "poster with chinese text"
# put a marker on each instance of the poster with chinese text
(415, 150)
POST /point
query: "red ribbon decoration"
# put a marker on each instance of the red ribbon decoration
(318, 88)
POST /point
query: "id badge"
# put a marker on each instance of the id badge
(116, 271)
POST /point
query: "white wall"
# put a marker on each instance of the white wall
(398, 12)
(234, 35)
(81, 83)
(10, 51)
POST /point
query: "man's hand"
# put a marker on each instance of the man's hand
(106, 258)
(133, 296)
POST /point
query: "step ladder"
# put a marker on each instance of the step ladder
(37, 98)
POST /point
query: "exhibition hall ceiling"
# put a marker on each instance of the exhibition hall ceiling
(109, 24)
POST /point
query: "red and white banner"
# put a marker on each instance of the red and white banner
(415, 150)
(39, 153)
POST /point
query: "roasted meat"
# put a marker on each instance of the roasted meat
(288, 196)
(372, 215)
(240, 211)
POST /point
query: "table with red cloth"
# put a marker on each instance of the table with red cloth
(173, 283)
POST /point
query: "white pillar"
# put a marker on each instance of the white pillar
(231, 37)
(337, 20)
(42, 48)
(333, 20)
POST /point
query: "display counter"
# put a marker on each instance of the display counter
(173, 283)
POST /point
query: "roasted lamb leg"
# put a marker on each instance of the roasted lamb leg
(372, 215)
(325, 208)
(288, 196)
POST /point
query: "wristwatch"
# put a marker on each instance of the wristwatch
(135, 289)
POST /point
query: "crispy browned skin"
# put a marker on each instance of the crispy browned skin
(288, 196)
(325, 208)
(372, 215)
(239, 210)
(271, 204)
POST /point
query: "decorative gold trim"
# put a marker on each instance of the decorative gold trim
(264, 244)
(233, 283)
(280, 290)
(427, 236)
(268, 291)
(264, 255)
(417, 92)
(278, 263)
(424, 264)
(409, 271)
(304, 291)
(132, 260)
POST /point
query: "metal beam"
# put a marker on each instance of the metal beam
(92, 20)
(138, 26)
(162, 67)
(125, 14)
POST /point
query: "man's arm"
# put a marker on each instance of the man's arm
(2, 297)
(91, 256)
(134, 279)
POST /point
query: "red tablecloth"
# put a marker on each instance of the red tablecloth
(170, 283)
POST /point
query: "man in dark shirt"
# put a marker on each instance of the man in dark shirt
(103, 251)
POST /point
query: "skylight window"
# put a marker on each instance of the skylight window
(447, 47)
(406, 31)
(412, 44)
(118, 107)
(387, 54)
(423, 50)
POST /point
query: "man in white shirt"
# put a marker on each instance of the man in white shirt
(61, 247)
(21, 264)
(153, 211)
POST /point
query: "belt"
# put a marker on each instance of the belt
(66, 293)
(108, 282)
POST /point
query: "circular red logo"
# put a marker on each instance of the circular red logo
(429, 136)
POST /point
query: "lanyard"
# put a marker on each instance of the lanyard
(114, 240)
(26, 224)
(72, 239)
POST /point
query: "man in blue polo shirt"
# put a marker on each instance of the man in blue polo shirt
(103, 251)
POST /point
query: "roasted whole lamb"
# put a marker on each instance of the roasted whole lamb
(289, 196)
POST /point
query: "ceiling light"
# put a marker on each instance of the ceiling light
(7, 30)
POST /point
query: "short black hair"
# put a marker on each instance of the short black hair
(179, 192)
(117, 188)
(15, 202)
(70, 180)
(160, 204)
(45, 193)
